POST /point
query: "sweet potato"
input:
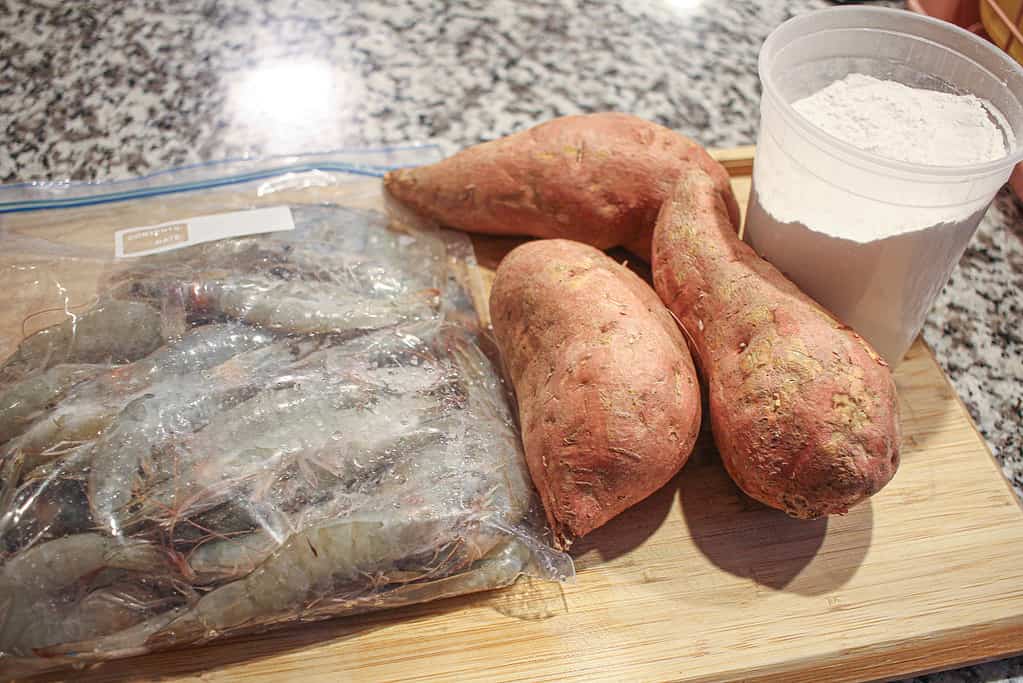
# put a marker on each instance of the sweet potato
(608, 396)
(803, 410)
(595, 178)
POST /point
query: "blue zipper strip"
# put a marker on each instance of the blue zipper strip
(366, 170)
(70, 202)
(225, 162)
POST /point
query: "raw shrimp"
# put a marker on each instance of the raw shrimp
(111, 332)
(295, 306)
(229, 558)
(307, 564)
(208, 464)
(101, 612)
(23, 401)
(325, 420)
(128, 642)
(138, 431)
(497, 569)
(346, 463)
(250, 439)
(29, 580)
(222, 557)
(72, 463)
(53, 565)
(202, 348)
(328, 440)
(322, 567)
(44, 508)
(328, 559)
(170, 409)
(396, 359)
(321, 490)
(60, 433)
(311, 564)
(92, 405)
(340, 468)
(433, 468)
(323, 277)
(301, 307)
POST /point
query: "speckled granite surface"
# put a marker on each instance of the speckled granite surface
(96, 91)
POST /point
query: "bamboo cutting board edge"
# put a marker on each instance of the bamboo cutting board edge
(973, 427)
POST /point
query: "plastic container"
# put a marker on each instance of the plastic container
(883, 288)
(967, 13)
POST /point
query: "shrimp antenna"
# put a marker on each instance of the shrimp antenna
(54, 309)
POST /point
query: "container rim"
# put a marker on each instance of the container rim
(855, 15)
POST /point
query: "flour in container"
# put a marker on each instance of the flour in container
(905, 124)
(852, 239)
(894, 121)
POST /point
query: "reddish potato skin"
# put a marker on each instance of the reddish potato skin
(595, 178)
(607, 392)
(803, 411)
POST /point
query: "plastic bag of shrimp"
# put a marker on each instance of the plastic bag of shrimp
(238, 396)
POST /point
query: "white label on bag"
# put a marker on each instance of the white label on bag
(153, 239)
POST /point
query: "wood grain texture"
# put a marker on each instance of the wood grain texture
(700, 583)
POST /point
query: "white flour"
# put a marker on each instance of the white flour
(891, 120)
(906, 124)
(876, 264)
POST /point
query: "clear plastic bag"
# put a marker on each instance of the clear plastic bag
(244, 432)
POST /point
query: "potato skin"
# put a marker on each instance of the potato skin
(596, 178)
(608, 396)
(803, 411)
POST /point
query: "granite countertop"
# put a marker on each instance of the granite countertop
(98, 91)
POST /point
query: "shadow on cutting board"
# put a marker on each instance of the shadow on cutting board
(748, 539)
(626, 531)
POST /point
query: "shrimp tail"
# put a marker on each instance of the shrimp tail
(130, 642)
(183, 630)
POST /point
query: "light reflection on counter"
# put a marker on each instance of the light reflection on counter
(683, 5)
(293, 104)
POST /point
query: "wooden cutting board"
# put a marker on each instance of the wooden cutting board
(699, 583)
